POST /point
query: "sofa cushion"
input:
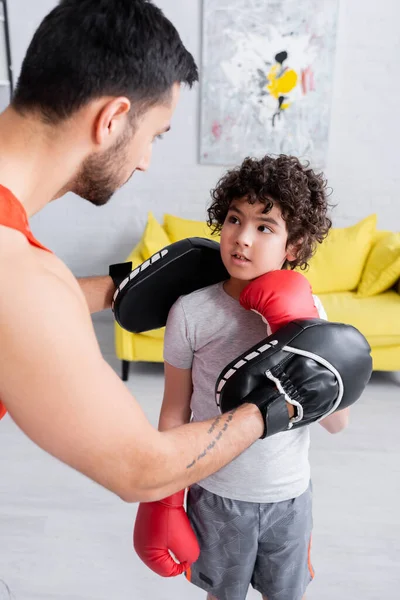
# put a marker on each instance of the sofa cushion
(382, 268)
(340, 259)
(379, 235)
(135, 257)
(154, 237)
(178, 229)
(377, 317)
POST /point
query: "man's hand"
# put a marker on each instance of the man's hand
(98, 292)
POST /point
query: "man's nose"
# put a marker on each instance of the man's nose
(145, 161)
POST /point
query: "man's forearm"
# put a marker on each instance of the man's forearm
(192, 452)
(98, 292)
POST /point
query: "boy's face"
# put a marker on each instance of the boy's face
(253, 243)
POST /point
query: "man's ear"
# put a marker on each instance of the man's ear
(110, 120)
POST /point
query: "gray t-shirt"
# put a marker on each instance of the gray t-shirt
(205, 331)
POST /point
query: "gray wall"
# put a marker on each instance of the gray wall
(363, 161)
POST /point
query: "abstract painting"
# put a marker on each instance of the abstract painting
(5, 58)
(267, 76)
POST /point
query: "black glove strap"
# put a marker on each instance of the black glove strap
(273, 408)
(276, 416)
(119, 272)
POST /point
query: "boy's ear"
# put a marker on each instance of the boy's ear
(292, 250)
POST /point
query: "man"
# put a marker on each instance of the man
(100, 81)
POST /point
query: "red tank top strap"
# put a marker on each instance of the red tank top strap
(13, 215)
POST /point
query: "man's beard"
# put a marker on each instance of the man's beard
(100, 174)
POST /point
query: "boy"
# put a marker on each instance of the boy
(252, 518)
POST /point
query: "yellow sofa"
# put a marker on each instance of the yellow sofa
(355, 272)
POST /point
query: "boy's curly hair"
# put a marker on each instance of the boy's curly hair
(299, 191)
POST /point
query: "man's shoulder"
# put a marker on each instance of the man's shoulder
(12, 242)
(43, 315)
(31, 273)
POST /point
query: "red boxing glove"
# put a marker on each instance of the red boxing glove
(280, 297)
(162, 527)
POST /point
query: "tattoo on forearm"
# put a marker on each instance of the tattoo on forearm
(229, 417)
(214, 425)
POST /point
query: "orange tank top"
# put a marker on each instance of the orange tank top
(13, 215)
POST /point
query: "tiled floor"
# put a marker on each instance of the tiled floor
(64, 538)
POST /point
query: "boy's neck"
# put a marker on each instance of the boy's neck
(233, 287)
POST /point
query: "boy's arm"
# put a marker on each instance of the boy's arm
(98, 292)
(175, 410)
(337, 421)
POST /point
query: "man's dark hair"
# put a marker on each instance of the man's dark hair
(85, 49)
(300, 193)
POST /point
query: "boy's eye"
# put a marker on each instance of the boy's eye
(233, 219)
(264, 229)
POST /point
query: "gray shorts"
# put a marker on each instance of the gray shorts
(267, 545)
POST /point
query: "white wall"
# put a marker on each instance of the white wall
(363, 166)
